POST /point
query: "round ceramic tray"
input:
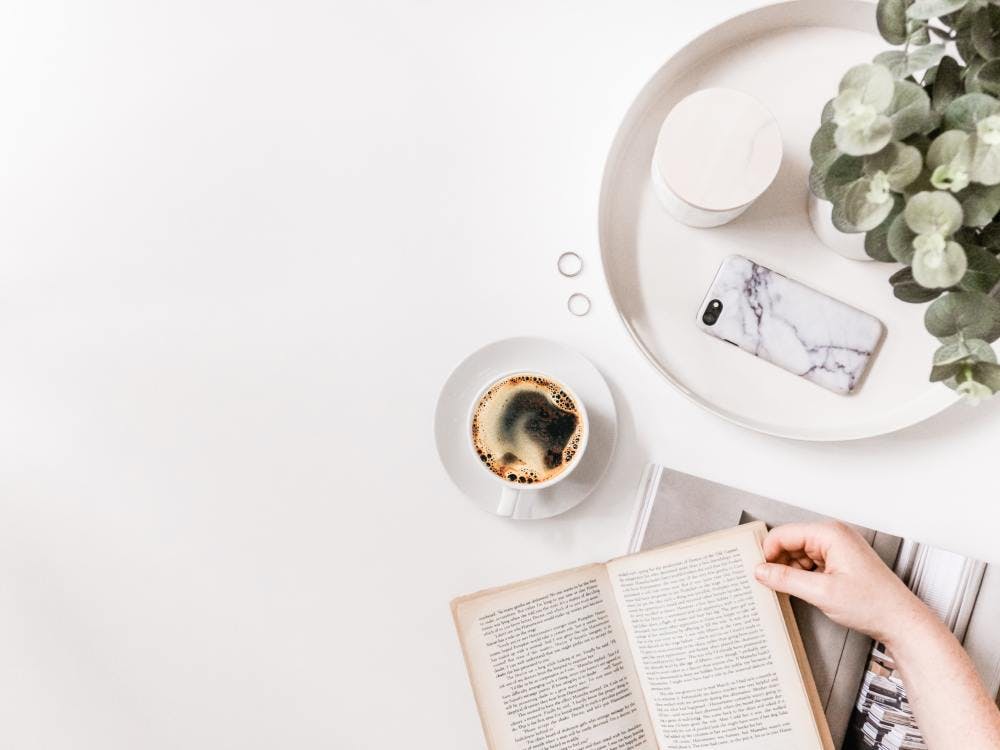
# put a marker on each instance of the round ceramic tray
(791, 57)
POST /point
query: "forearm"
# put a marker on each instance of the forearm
(832, 567)
(951, 706)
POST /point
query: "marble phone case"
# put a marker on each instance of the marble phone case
(792, 326)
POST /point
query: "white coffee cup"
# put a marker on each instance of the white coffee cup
(512, 493)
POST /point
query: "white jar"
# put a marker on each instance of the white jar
(718, 150)
(821, 217)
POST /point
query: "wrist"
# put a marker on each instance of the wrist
(905, 622)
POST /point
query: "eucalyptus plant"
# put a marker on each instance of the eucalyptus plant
(908, 152)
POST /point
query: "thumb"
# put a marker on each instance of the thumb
(807, 585)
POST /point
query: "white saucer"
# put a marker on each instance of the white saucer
(537, 355)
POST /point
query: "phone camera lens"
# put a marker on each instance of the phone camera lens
(712, 312)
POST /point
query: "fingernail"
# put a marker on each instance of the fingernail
(761, 571)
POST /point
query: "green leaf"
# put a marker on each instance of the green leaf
(877, 239)
(953, 351)
(988, 374)
(839, 220)
(932, 122)
(919, 33)
(923, 57)
(938, 264)
(985, 78)
(972, 67)
(822, 148)
(980, 204)
(867, 139)
(902, 64)
(934, 212)
(910, 110)
(964, 350)
(893, 60)
(900, 240)
(984, 160)
(981, 351)
(947, 84)
(963, 43)
(965, 111)
(861, 210)
(920, 185)
(971, 391)
(844, 171)
(950, 161)
(900, 163)
(925, 9)
(945, 371)
(974, 314)
(906, 289)
(967, 236)
(873, 82)
(827, 114)
(986, 32)
(891, 19)
(961, 21)
(945, 147)
(983, 272)
(989, 236)
(953, 369)
(817, 184)
(858, 140)
(919, 141)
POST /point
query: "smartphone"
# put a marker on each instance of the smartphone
(790, 325)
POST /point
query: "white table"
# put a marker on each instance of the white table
(242, 246)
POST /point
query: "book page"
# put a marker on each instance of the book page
(550, 666)
(675, 507)
(712, 648)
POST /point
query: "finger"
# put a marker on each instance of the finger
(783, 557)
(811, 539)
(803, 560)
(806, 585)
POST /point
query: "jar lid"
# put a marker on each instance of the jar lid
(718, 149)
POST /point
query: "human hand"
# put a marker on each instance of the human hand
(833, 568)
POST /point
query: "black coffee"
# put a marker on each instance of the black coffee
(526, 428)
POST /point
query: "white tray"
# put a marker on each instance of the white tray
(791, 57)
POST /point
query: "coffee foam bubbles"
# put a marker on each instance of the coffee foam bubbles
(526, 429)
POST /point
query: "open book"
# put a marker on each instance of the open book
(677, 647)
(865, 701)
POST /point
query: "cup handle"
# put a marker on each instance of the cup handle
(508, 501)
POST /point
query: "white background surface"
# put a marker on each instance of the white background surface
(242, 244)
